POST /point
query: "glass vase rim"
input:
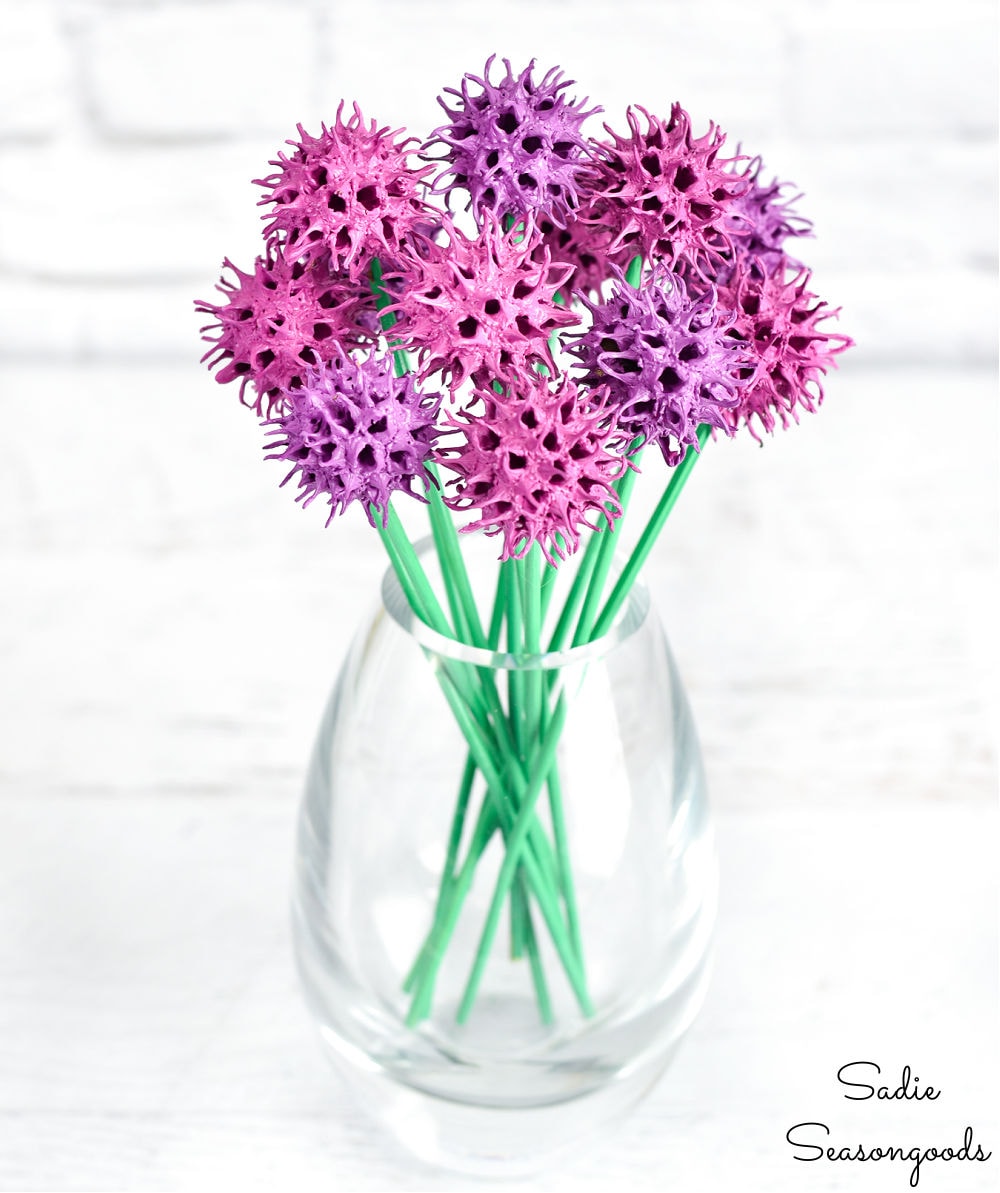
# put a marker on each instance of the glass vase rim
(628, 621)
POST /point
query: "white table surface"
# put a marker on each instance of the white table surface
(169, 626)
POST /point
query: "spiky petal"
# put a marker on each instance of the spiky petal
(349, 191)
(666, 359)
(353, 431)
(483, 307)
(537, 465)
(282, 319)
(515, 146)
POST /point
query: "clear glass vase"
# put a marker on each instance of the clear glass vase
(600, 956)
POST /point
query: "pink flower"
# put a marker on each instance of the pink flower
(665, 194)
(537, 463)
(349, 191)
(777, 320)
(582, 245)
(281, 320)
(481, 308)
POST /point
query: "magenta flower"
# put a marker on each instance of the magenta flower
(537, 463)
(281, 320)
(349, 191)
(515, 146)
(776, 320)
(482, 308)
(581, 245)
(665, 194)
(355, 432)
(666, 359)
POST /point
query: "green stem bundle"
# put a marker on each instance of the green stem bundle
(512, 736)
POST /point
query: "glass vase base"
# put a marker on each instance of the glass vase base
(498, 1141)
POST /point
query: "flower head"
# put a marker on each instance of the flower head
(350, 191)
(776, 319)
(282, 319)
(581, 245)
(768, 222)
(515, 145)
(665, 358)
(537, 465)
(482, 308)
(664, 193)
(355, 432)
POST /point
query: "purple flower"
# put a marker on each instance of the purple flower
(515, 146)
(767, 220)
(666, 359)
(349, 191)
(537, 463)
(355, 432)
(281, 320)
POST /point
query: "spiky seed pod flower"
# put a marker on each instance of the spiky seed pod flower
(581, 245)
(515, 146)
(353, 431)
(282, 319)
(776, 318)
(537, 462)
(666, 359)
(350, 191)
(484, 307)
(768, 220)
(666, 194)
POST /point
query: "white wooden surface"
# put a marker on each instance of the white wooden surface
(169, 626)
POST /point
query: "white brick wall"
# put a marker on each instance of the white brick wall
(129, 131)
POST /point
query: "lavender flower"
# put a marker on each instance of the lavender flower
(768, 222)
(515, 146)
(355, 432)
(666, 359)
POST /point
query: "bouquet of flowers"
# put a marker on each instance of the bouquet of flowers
(591, 299)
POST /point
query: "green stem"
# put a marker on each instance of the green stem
(448, 873)
(641, 551)
(400, 360)
(472, 720)
(516, 834)
(425, 968)
(537, 690)
(633, 275)
(606, 543)
(584, 570)
(537, 970)
(515, 705)
(550, 574)
(512, 858)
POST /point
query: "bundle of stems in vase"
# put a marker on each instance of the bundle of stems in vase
(594, 298)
